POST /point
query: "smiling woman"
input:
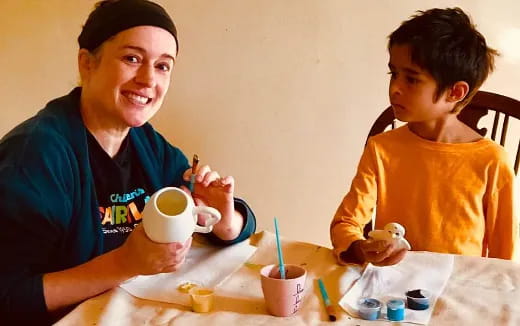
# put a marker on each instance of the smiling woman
(70, 234)
(124, 83)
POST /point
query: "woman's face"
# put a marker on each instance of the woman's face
(125, 82)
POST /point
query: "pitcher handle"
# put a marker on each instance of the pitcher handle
(214, 218)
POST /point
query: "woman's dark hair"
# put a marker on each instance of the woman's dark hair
(110, 17)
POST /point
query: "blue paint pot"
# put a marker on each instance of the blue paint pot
(395, 310)
(369, 308)
(418, 299)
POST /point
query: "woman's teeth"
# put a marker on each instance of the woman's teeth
(136, 98)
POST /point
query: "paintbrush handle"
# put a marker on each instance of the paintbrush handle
(279, 248)
(192, 183)
(331, 310)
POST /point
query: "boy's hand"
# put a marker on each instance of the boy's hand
(378, 252)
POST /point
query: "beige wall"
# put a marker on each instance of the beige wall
(278, 93)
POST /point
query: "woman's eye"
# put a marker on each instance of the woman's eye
(164, 67)
(392, 74)
(131, 59)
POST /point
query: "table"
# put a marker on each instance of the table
(480, 291)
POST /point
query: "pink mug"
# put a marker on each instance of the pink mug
(283, 297)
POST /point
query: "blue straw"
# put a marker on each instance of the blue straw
(279, 247)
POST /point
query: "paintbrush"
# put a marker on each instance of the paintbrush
(194, 165)
(331, 311)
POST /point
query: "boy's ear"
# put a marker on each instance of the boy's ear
(457, 92)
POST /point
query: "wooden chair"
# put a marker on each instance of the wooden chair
(504, 109)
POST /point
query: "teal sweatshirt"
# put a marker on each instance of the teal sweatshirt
(49, 218)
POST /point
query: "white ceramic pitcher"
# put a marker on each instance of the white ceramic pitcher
(171, 216)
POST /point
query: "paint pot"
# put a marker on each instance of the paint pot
(201, 299)
(283, 297)
(395, 310)
(418, 299)
(369, 308)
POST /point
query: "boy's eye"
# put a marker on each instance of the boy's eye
(411, 80)
(392, 74)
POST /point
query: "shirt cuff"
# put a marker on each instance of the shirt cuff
(340, 253)
(248, 228)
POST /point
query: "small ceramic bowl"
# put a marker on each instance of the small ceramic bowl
(395, 309)
(369, 308)
(418, 299)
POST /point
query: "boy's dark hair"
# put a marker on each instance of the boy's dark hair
(445, 43)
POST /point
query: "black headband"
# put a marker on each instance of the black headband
(110, 18)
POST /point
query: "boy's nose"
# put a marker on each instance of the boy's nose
(394, 88)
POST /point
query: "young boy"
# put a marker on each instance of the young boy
(450, 188)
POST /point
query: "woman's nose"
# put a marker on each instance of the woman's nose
(146, 76)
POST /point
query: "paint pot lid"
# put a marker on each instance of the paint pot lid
(395, 304)
(418, 294)
(186, 286)
(369, 304)
(201, 292)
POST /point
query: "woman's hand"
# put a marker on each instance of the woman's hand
(212, 190)
(141, 256)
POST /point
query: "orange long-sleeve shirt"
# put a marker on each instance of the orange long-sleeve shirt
(451, 198)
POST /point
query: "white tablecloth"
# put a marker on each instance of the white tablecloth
(480, 291)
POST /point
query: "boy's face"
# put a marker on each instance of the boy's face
(412, 89)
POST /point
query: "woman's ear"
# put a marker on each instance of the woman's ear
(86, 62)
(458, 92)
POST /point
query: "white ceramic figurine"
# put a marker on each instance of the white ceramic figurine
(392, 231)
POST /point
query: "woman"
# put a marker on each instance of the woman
(75, 177)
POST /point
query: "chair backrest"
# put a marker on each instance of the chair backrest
(482, 103)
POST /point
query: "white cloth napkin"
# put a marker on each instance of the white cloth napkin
(205, 265)
(418, 270)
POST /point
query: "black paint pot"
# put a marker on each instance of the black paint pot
(418, 299)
